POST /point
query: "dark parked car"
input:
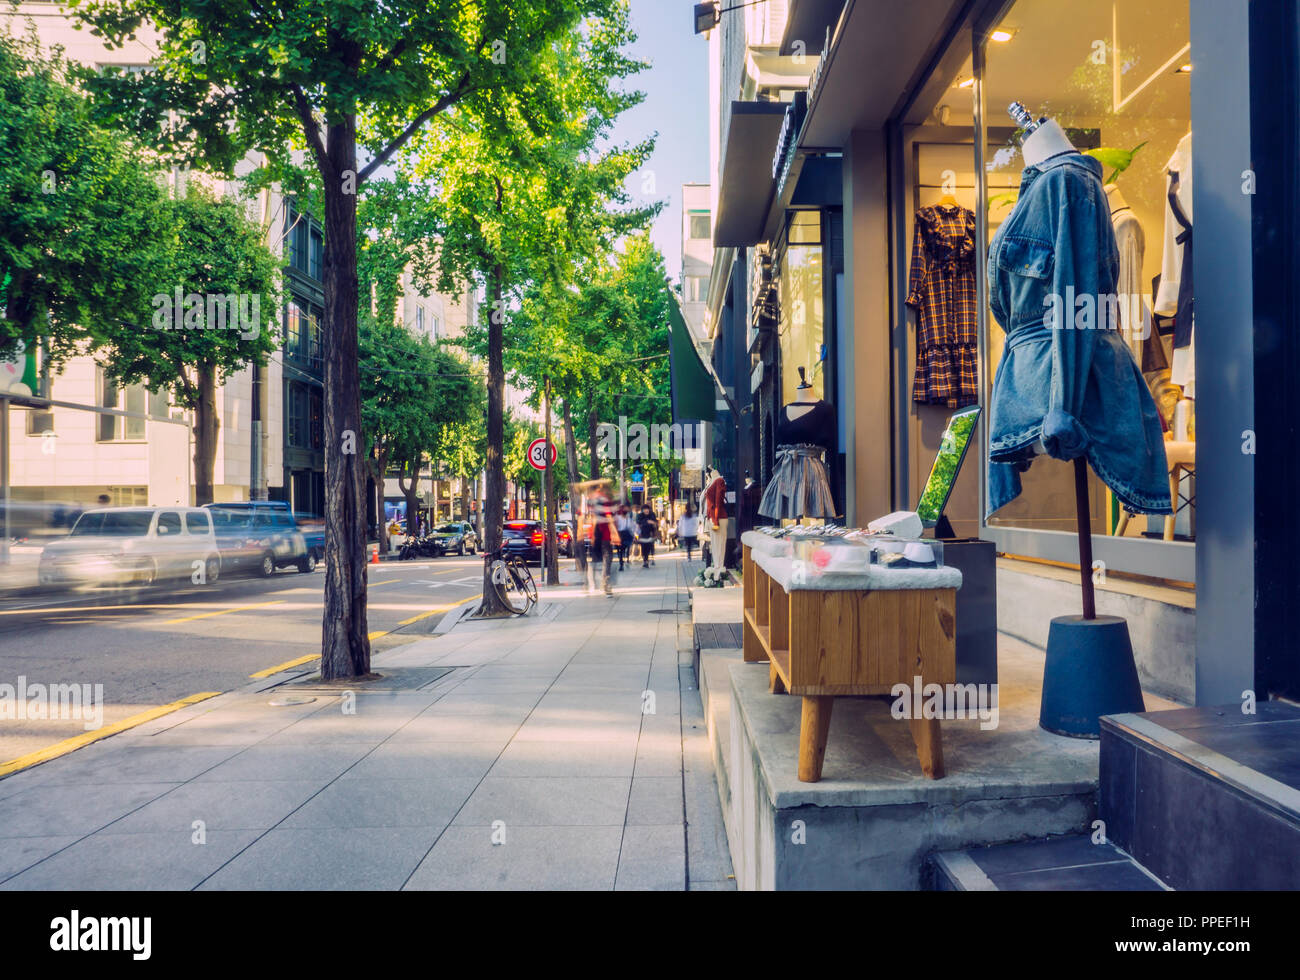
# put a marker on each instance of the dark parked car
(457, 537)
(524, 538)
(260, 536)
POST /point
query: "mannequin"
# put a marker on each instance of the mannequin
(805, 431)
(1075, 394)
(1043, 139)
(714, 509)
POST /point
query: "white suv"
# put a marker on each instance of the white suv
(134, 545)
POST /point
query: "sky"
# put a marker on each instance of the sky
(676, 107)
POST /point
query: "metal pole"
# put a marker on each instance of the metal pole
(1085, 537)
(548, 501)
(4, 477)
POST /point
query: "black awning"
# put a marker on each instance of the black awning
(808, 21)
(747, 182)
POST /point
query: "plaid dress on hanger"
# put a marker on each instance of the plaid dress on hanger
(942, 291)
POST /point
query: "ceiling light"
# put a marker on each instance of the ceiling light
(968, 83)
(1002, 34)
(1183, 70)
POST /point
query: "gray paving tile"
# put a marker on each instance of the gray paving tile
(572, 758)
(652, 859)
(530, 859)
(138, 764)
(655, 801)
(569, 730)
(380, 858)
(133, 862)
(281, 760)
(483, 704)
(20, 853)
(547, 802)
(351, 803)
(426, 760)
(45, 811)
(457, 728)
(221, 806)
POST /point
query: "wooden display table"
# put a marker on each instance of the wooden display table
(821, 641)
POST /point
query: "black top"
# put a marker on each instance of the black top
(815, 425)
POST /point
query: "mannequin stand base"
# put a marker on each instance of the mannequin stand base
(1089, 672)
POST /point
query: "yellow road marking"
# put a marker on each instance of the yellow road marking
(387, 581)
(77, 741)
(438, 609)
(222, 612)
(377, 634)
(286, 665)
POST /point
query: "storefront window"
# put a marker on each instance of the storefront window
(802, 304)
(1115, 76)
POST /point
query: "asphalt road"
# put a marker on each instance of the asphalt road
(151, 647)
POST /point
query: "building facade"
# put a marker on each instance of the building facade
(903, 110)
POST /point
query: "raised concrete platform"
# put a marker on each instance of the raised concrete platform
(874, 819)
(1161, 619)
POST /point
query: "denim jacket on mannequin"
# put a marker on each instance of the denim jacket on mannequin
(1066, 375)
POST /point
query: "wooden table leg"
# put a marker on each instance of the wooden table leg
(774, 682)
(813, 728)
(929, 746)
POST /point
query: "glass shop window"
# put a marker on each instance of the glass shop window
(800, 331)
(1116, 77)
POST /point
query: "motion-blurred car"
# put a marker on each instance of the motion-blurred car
(260, 536)
(564, 535)
(312, 527)
(134, 545)
(458, 537)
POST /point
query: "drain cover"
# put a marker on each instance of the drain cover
(290, 700)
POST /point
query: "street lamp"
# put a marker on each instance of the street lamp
(707, 15)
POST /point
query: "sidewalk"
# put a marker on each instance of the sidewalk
(550, 752)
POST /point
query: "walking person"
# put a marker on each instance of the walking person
(605, 534)
(626, 534)
(648, 529)
(688, 530)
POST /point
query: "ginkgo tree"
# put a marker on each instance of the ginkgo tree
(524, 185)
(351, 82)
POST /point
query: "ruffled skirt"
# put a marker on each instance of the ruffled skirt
(799, 486)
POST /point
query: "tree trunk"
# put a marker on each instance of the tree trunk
(571, 454)
(378, 467)
(491, 604)
(593, 456)
(409, 488)
(206, 424)
(345, 644)
(553, 549)
(464, 499)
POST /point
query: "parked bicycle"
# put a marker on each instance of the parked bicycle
(513, 582)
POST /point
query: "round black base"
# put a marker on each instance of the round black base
(1089, 673)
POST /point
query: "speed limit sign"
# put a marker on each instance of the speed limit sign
(538, 450)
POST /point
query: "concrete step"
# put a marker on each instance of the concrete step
(1068, 863)
(1207, 797)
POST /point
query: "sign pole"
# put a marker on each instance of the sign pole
(551, 556)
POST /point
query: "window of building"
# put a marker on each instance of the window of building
(700, 225)
(132, 398)
(802, 303)
(297, 415)
(436, 328)
(314, 354)
(316, 418)
(316, 258)
(293, 327)
(419, 319)
(697, 288)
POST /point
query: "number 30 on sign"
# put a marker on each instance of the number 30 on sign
(538, 450)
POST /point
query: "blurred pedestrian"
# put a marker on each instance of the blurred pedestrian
(605, 533)
(626, 533)
(647, 530)
(688, 530)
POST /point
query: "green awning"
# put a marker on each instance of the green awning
(694, 399)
